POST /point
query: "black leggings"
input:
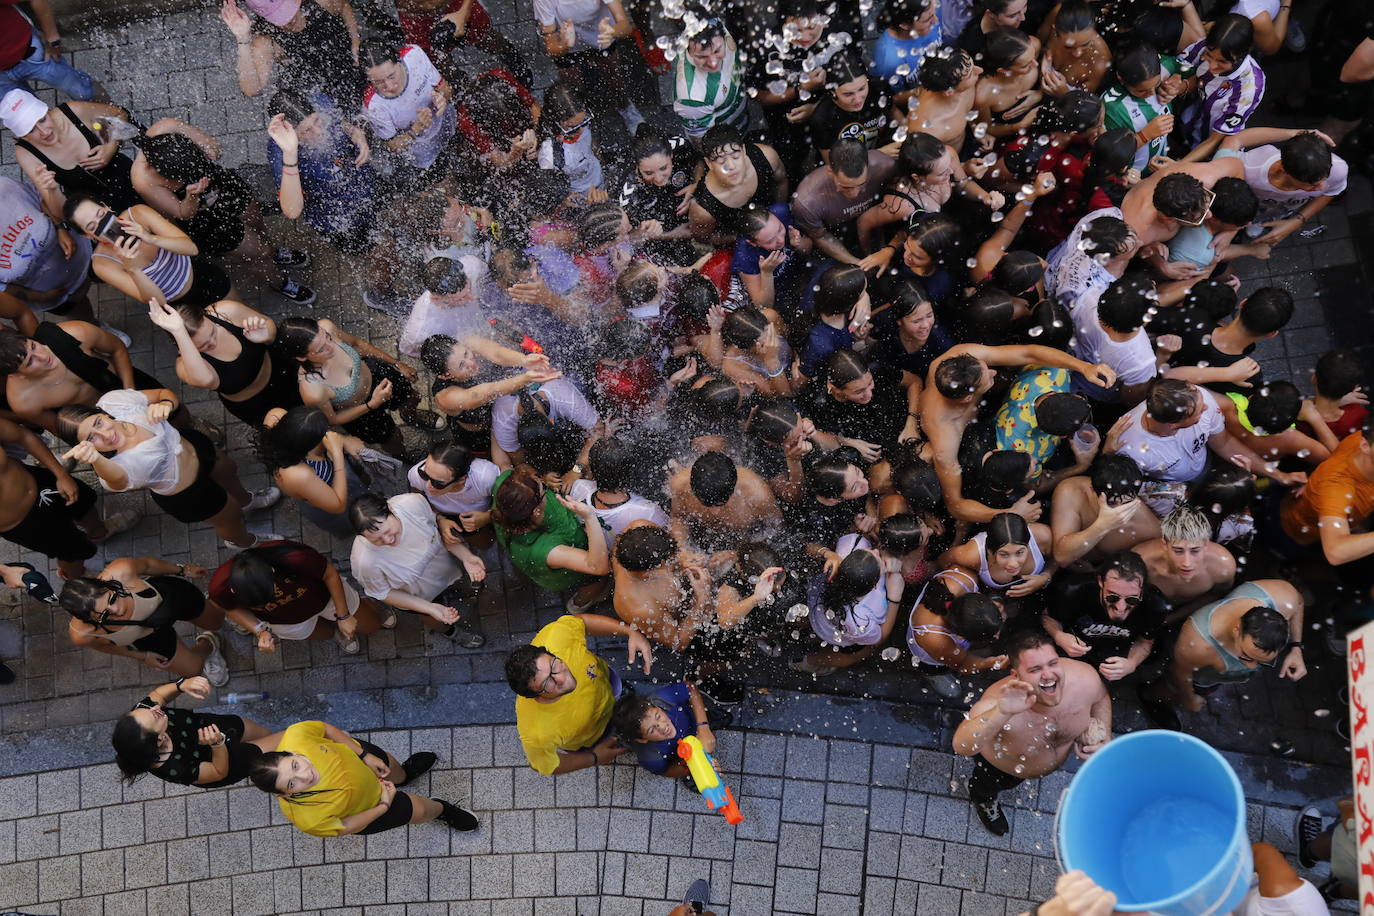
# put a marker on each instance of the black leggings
(987, 782)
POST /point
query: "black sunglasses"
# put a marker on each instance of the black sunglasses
(437, 483)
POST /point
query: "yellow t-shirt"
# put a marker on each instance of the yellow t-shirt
(577, 719)
(356, 787)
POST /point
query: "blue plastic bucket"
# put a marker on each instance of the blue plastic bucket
(1158, 818)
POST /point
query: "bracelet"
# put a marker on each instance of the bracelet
(262, 625)
(703, 725)
(243, 43)
(1297, 645)
(179, 682)
(222, 739)
(290, 165)
(596, 761)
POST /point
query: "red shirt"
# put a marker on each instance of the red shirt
(15, 34)
(480, 140)
(301, 592)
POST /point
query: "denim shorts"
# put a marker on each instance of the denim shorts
(58, 74)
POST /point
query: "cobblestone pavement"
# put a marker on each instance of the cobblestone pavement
(851, 798)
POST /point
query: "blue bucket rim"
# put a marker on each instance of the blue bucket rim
(1126, 739)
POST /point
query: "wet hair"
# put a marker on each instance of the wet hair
(599, 225)
(13, 348)
(81, 596)
(1007, 528)
(254, 572)
(845, 67)
(375, 53)
(989, 314)
(716, 401)
(287, 443)
(1235, 203)
(905, 293)
(840, 289)
(713, 478)
(1050, 325)
(70, 418)
(858, 574)
(1275, 408)
(901, 534)
(135, 748)
(1306, 157)
(708, 28)
(517, 499)
(902, 12)
(1004, 46)
(1128, 565)
(294, 336)
(826, 475)
(916, 481)
(1026, 641)
(974, 616)
(1170, 400)
(520, 668)
(721, 138)
(561, 102)
(1018, 271)
(939, 236)
(772, 420)
(444, 276)
(612, 463)
(844, 366)
(1115, 475)
(176, 157)
(695, 297)
(1062, 413)
(996, 7)
(1266, 627)
(1185, 524)
(1112, 154)
(1233, 35)
(1180, 196)
(919, 154)
(368, 511)
(942, 72)
(1005, 471)
(638, 283)
(291, 103)
(849, 157)
(1338, 372)
(1074, 16)
(550, 446)
(644, 547)
(455, 456)
(959, 376)
(627, 716)
(1074, 112)
(744, 326)
(754, 218)
(649, 142)
(1266, 310)
(435, 351)
(1226, 490)
(542, 192)
(1106, 235)
(1123, 305)
(1215, 298)
(1135, 62)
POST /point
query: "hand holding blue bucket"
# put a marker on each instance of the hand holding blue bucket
(1158, 818)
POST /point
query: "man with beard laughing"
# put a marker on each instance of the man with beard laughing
(1025, 724)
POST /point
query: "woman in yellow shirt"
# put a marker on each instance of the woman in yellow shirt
(329, 783)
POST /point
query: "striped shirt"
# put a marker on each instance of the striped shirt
(1125, 111)
(1227, 102)
(703, 99)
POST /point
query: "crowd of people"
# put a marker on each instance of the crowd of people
(916, 343)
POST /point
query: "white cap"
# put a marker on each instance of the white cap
(20, 110)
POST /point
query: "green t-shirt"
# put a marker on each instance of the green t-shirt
(530, 551)
(1123, 110)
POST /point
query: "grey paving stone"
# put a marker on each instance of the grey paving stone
(187, 860)
(167, 900)
(554, 831)
(128, 903)
(976, 904)
(576, 873)
(164, 819)
(803, 801)
(713, 837)
(323, 885)
(364, 883)
(879, 895)
(512, 831)
(39, 837)
(795, 890)
(755, 861)
(102, 872)
(764, 754)
(1008, 873)
(407, 881)
(947, 818)
(531, 875)
(761, 819)
(255, 894)
(938, 901)
(472, 746)
(921, 859)
(842, 871)
(646, 875)
(799, 845)
(494, 788)
(883, 854)
(59, 878)
(520, 907)
(845, 793)
(20, 881)
(211, 896)
(844, 827)
(750, 898)
(836, 905)
(450, 879)
(652, 791)
(272, 847)
(534, 790)
(100, 786)
(231, 853)
(59, 790)
(593, 827)
(849, 761)
(491, 876)
(578, 788)
(964, 866)
(806, 757)
(80, 831)
(145, 866)
(630, 832)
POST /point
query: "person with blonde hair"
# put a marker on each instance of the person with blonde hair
(1185, 564)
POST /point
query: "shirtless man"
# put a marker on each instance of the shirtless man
(1185, 564)
(659, 591)
(1024, 725)
(949, 82)
(716, 503)
(1100, 514)
(69, 362)
(954, 389)
(42, 507)
(1158, 206)
(1257, 624)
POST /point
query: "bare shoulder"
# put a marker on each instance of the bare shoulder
(1083, 673)
(1220, 562)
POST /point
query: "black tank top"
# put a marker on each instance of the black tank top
(113, 183)
(319, 57)
(236, 375)
(92, 370)
(732, 218)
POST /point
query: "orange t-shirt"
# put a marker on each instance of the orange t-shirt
(1335, 488)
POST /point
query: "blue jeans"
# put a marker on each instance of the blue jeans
(58, 74)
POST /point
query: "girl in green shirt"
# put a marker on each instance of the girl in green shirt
(553, 540)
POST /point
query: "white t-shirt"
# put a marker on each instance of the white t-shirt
(152, 464)
(389, 117)
(579, 161)
(30, 255)
(585, 15)
(1305, 901)
(1272, 200)
(617, 518)
(864, 624)
(458, 321)
(565, 403)
(475, 496)
(1252, 8)
(1072, 276)
(417, 564)
(1133, 359)
(1180, 457)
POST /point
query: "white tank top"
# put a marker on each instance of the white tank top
(985, 575)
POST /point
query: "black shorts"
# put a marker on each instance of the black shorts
(282, 390)
(203, 498)
(209, 283)
(399, 814)
(162, 641)
(50, 527)
(376, 425)
(184, 601)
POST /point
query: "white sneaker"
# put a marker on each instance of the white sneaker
(263, 499)
(257, 539)
(216, 669)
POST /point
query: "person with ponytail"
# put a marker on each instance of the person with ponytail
(468, 377)
(853, 607)
(1075, 55)
(556, 399)
(755, 355)
(554, 540)
(407, 106)
(183, 747)
(856, 105)
(328, 783)
(1012, 558)
(315, 43)
(781, 439)
(658, 192)
(911, 342)
(1008, 95)
(856, 403)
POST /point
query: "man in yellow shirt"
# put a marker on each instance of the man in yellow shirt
(565, 693)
